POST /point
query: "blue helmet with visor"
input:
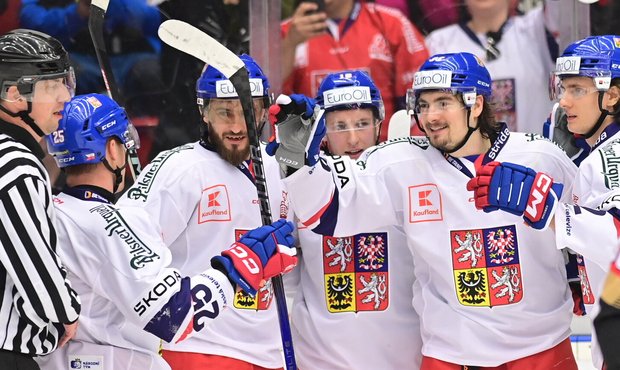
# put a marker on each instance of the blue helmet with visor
(87, 123)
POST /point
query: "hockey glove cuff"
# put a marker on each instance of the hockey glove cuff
(259, 255)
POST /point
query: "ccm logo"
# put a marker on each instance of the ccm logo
(538, 196)
(245, 258)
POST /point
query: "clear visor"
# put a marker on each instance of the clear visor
(441, 104)
(229, 111)
(342, 125)
(132, 139)
(47, 88)
(558, 90)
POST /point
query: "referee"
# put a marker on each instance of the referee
(38, 307)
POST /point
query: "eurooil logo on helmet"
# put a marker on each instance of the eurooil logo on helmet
(87, 123)
(462, 73)
(350, 90)
(212, 84)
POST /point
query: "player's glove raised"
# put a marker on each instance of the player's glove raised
(518, 190)
(298, 131)
(259, 255)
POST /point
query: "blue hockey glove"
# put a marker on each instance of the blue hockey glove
(518, 190)
(298, 129)
(259, 255)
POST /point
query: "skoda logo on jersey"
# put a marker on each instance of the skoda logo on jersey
(225, 89)
(567, 65)
(347, 95)
(432, 80)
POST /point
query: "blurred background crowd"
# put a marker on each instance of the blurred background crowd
(157, 83)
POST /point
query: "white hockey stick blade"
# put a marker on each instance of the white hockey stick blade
(189, 39)
(400, 125)
(102, 4)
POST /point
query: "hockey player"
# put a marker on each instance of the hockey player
(118, 261)
(201, 195)
(490, 291)
(500, 40)
(588, 88)
(39, 309)
(354, 294)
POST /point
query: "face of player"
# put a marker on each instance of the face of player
(579, 98)
(443, 118)
(350, 132)
(227, 129)
(48, 100)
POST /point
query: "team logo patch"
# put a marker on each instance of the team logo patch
(356, 273)
(486, 266)
(85, 362)
(214, 205)
(425, 203)
(244, 301)
(94, 102)
(617, 42)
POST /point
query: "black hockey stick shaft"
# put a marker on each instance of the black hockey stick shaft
(241, 83)
(96, 22)
(188, 39)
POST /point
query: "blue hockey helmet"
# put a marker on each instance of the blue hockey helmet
(88, 121)
(597, 57)
(212, 84)
(462, 73)
(350, 90)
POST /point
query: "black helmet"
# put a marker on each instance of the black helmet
(27, 56)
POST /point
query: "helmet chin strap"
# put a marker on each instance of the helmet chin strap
(470, 130)
(118, 173)
(601, 117)
(25, 116)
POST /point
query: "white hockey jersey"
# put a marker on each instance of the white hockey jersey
(121, 270)
(353, 308)
(488, 288)
(520, 74)
(203, 204)
(598, 177)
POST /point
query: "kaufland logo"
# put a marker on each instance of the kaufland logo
(214, 205)
(425, 203)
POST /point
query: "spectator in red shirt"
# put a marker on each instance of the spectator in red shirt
(351, 35)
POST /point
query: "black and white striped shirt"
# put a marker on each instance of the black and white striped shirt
(35, 296)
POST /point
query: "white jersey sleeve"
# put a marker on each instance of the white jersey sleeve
(119, 255)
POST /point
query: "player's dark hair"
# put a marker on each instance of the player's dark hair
(487, 124)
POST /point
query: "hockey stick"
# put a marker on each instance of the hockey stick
(96, 21)
(400, 125)
(189, 39)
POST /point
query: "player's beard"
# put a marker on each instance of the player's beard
(234, 156)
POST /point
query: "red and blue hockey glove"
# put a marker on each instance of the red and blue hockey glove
(298, 132)
(259, 255)
(518, 190)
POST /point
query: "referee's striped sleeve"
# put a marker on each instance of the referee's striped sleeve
(28, 254)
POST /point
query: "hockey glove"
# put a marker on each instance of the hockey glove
(518, 190)
(298, 131)
(259, 255)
